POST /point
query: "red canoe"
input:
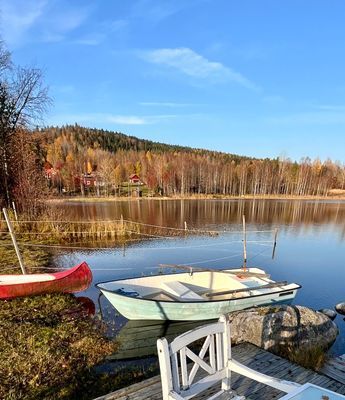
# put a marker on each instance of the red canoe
(72, 280)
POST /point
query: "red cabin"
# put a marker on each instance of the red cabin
(134, 178)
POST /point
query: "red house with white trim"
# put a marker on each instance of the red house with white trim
(134, 178)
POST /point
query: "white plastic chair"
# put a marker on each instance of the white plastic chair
(178, 378)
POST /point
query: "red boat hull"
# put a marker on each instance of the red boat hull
(72, 280)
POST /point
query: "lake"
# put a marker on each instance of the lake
(310, 249)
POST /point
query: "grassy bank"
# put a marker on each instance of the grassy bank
(35, 259)
(50, 349)
(48, 345)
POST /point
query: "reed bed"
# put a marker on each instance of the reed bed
(61, 231)
(54, 227)
(70, 231)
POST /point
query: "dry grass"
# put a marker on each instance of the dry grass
(46, 344)
(312, 358)
(53, 227)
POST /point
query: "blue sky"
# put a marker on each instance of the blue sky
(259, 78)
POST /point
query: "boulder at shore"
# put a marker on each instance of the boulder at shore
(340, 308)
(277, 327)
(329, 313)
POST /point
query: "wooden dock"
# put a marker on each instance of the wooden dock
(335, 368)
(253, 357)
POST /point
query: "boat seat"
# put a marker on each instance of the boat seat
(181, 291)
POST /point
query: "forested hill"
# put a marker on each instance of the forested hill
(109, 158)
(114, 141)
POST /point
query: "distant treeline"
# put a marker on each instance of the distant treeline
(175, 170)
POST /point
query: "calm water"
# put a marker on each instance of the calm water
(310, 250)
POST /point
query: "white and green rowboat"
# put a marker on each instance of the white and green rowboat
(195, 296)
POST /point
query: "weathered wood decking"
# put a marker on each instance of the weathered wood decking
(251, 356)
(335, 368)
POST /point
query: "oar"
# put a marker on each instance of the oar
(199, 269)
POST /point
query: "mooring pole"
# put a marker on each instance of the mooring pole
(275, 242)
(14, 210)
(244, 243)
(14, 241)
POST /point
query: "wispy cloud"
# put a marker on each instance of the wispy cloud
(64, 89)
(166, 104)
(157, 11)
(190, 63)
(127, 119)
(17, 17)
(39, 21)
(330, 107)
(309, 118)
(117, 25)
(90, 40)
(58, 25)
(102, 31)
(273, 99)
(99, 118)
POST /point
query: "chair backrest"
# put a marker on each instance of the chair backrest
(179, 380)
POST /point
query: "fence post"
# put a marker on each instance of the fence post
(13, 237)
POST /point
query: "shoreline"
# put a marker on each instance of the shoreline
(91, 199)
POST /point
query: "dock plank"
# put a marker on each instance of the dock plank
(253, 357)
(335, 368)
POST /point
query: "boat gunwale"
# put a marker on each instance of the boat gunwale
(56, 276)
(187, 302)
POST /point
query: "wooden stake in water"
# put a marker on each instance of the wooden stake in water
(13, 237)
(244, 243)
(275, 242)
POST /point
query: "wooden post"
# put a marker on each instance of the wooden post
(121, 221)
(244, 243)
(185, 226)
(13, 237)
(275, 242)
(14, 210)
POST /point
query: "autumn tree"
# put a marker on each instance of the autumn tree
(23, 100)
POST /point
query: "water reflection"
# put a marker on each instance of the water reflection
(138, 339)
(310, 250)
(213, 213)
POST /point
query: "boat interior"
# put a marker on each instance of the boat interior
(28, 278)
(198, 286)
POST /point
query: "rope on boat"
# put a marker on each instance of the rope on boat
(210, 260)
(257, 254)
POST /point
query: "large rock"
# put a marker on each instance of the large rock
(279, 327)
(340, 308)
